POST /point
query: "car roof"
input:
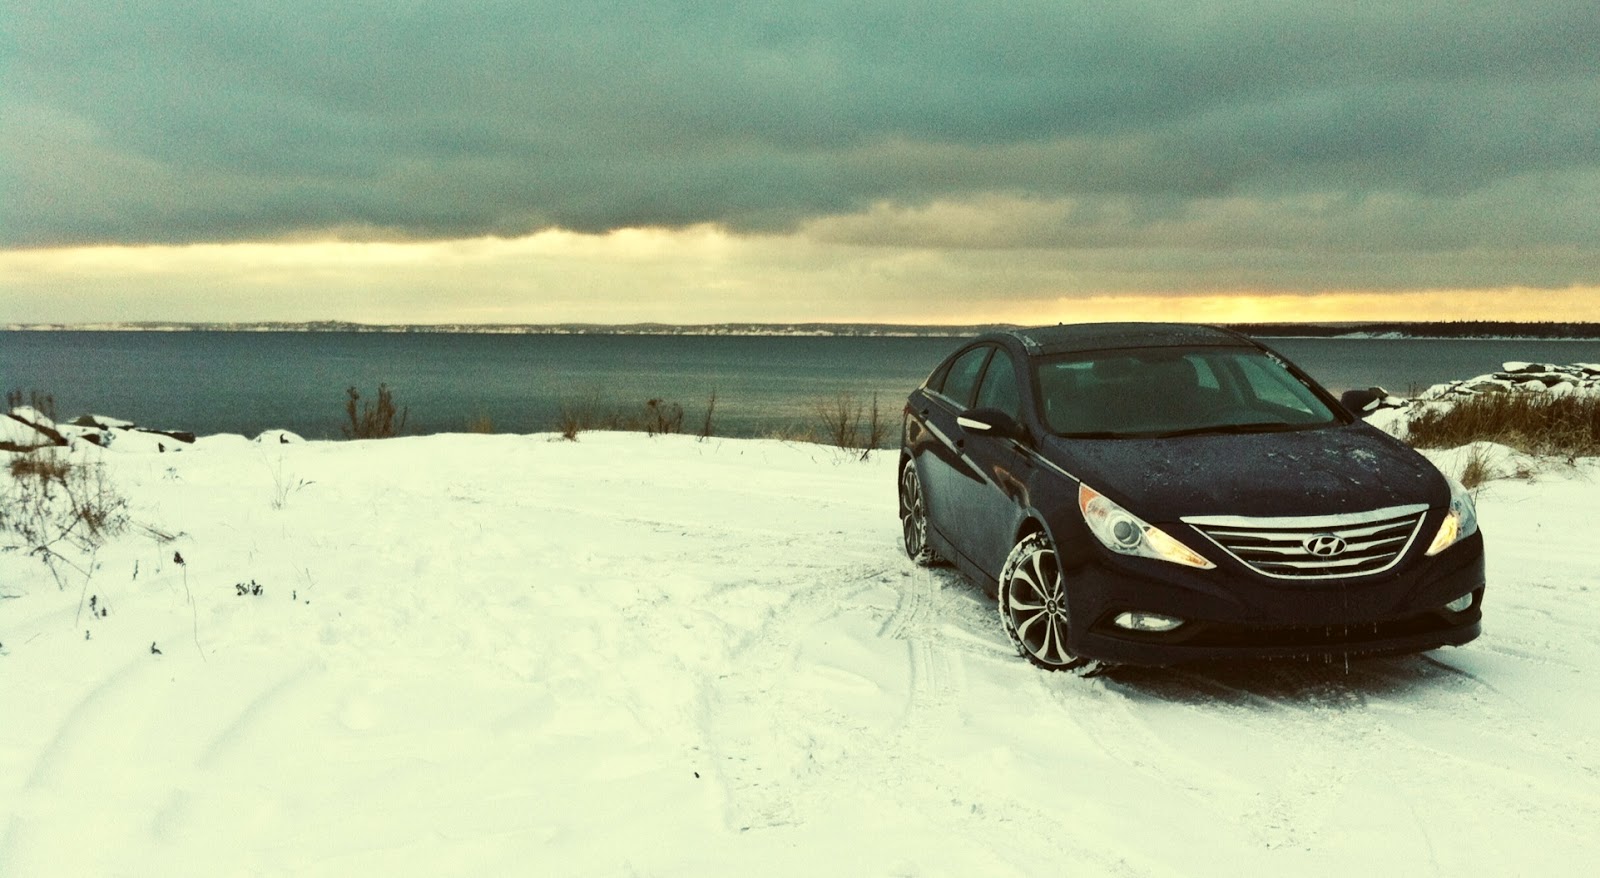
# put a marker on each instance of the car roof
(1077, 337)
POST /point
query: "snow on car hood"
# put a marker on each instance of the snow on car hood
(1348, 468)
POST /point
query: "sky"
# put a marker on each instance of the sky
(406, 161)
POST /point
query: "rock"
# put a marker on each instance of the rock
(279, 437)
(183, 436)
(104, 423)
(24, 429)
(93, 437)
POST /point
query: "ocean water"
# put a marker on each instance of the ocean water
(246, 382)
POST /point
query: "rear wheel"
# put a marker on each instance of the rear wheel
(1033, 607)
(914, 517)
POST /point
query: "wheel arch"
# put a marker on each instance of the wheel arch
(1032, 522)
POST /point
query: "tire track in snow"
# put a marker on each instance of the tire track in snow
(933, 681)
(751, 707)
(59, 750)
(901, 766)
(167, 816)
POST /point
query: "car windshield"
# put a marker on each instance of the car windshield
(1157, 392)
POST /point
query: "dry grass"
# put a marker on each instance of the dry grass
(1565, 426)
(707, 424)
(482, 424)
(657, 417)
(844, 421)
(1478, 469)
(373, 421)
(852, 425)
(50, 504)
(582, 414)
(42, 467)
(662, 417)
(794, 433)
(39, 401)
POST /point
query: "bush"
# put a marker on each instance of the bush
(51, 503)
(849, 424)
(586, 413)
(373, 421)
(658, 417)
(43, 403)
(1534, 423)
(662, 417)
(707, 425)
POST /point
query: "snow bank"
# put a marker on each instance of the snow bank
(1394, 414)
(510, 655)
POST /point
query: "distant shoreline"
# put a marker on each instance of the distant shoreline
(1463, 330)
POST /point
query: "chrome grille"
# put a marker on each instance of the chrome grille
(1316, 547)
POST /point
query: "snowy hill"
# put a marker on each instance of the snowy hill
(498, 655)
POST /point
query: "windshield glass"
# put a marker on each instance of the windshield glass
(1173, 391)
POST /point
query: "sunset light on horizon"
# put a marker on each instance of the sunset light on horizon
(698, 275)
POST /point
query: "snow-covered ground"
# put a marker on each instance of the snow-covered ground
(497, 655)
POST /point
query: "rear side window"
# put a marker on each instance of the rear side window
(962, 379)
(999, 388)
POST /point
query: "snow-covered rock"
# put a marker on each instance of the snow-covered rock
(25, 428)
(279, 437)
(1517, 376)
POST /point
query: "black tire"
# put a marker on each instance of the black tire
(1033, 608)
(914, 518)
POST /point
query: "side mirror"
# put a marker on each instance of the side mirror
(992, 422)
(1360, 402)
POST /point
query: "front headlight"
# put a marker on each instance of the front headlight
(1460, 522)
(1123, 532)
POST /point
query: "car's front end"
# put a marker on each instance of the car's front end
(1398, 567)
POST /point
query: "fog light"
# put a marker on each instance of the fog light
(1460, 604)
(1154, 622)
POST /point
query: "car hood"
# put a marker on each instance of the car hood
(1349, 468)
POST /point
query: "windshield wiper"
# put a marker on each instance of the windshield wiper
(1231, 429)
(1100, 434)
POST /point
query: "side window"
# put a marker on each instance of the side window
(1061, 394)
(999, 388)
(962, 378)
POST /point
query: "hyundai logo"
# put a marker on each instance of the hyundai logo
(1325, 546)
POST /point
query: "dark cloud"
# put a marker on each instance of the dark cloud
(1427, 125)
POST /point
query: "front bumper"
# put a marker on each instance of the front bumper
(1231, 612)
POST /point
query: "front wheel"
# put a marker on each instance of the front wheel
(1033, 607)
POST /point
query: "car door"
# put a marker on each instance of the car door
(989, 483)
(940, 457)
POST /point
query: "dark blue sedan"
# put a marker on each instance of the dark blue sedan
(1154, 493)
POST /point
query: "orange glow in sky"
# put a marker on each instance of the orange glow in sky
(695, 275)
